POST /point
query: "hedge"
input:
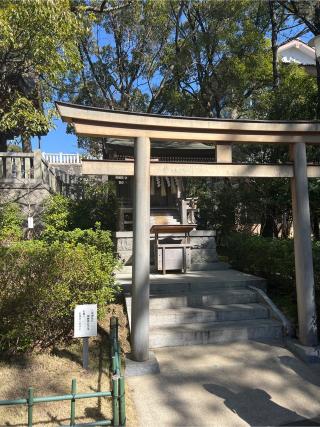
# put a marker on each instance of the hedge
(40, 285)
(100, 239)
(272, 259)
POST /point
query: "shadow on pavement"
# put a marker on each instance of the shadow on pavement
(256, 408)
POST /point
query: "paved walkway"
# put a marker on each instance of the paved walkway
(238, 384)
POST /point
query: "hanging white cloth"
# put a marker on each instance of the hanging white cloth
(152, 186)
(179, 186)
(173, 186)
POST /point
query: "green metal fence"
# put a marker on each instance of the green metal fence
(117, 394)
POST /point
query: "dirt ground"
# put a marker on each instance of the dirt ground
(51, 374)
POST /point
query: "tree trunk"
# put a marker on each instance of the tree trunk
(104, 149)
(274, 45)
(268, 226)
(316, 228)
(3, 143)
(26, 144)
(318, 89)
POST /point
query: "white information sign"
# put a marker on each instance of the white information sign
(30, 221)
(85, 321)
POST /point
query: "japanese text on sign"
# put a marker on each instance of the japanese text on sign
(85, 321)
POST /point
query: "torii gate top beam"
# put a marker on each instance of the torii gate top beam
(97, 122)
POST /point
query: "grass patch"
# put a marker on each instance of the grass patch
(51, 374)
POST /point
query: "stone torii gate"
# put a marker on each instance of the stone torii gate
(96, 122)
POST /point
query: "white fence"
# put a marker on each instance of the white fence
(62, 158)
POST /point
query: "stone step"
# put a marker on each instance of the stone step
(227, 296)
(196, 281)
(203, 286)
(212, 313)
(181, 288)
(218, 332)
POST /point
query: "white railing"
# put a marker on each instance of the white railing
(62, 158)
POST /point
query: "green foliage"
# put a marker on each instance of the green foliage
(217, 201)
(11, 221)
(231, 204)
(295, 98)
(95, 202)
(272, 259)
(266, 257)
(21, 115)
(56, 213)
(189, 58)
(38, 49)
(100, 239)
(40, 286)
(224, 58)
(13, 148)
(42, 280)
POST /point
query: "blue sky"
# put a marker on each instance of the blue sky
(57, 140)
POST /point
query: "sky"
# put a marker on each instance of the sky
(57, 140)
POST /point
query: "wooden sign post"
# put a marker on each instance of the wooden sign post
(85, 326)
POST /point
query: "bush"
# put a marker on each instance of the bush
(11, 221)
(273, 259)
(95, 203)
(40, 286)
(270, 258)
(56, 214)
(100, 239)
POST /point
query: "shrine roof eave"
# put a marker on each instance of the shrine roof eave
(93, 121)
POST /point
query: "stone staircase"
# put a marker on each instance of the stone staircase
(204, 311)
(164, 217)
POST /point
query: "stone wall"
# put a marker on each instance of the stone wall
(27, 179)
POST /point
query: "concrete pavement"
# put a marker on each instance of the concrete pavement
(220, 385)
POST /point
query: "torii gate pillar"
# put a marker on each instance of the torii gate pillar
(303, 247)
(141, 251)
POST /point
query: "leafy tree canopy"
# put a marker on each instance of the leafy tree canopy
(38, 47)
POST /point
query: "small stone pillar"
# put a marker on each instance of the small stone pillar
(303, 248)
(224, 153)
(141, 251)
(37, 164)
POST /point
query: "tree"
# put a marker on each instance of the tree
(224, 58)
(123, 60)
(38, 47)
(307, 12)
(190, 58)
